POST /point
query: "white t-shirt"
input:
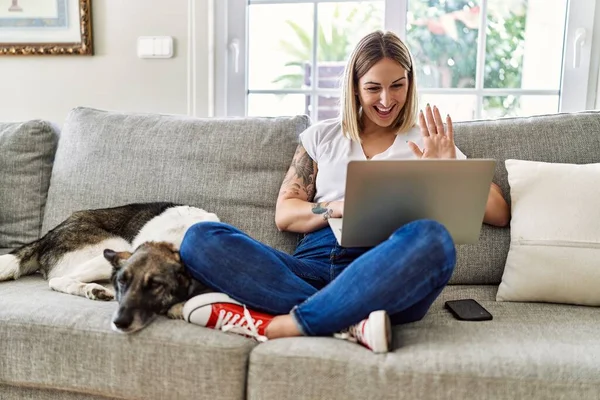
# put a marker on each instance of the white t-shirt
(331, 150)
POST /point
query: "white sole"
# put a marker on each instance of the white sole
(202, 300)
(380, 340)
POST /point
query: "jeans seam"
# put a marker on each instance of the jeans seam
(304, 275)
(333, 256)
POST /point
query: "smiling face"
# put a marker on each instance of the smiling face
(382, 93)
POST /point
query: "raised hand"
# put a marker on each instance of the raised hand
(438, 141)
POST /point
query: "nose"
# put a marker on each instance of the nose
(384, 99)
(123, 320)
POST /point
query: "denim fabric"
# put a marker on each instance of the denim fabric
(326, 287)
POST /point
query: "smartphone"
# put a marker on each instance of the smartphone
(468, 310)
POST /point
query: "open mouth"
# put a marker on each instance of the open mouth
(384, 112)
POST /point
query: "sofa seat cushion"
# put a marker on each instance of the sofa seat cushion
(57, 341)
(529, 350)
(8, 392)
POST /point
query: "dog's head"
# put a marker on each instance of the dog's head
(147, 283)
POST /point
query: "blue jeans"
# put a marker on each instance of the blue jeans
(326, 287)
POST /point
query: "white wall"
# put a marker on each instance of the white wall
(114, 77)
(597, 106)
(595, 62)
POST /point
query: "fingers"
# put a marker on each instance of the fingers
(439, 124)
(431, 121)
(423, 124)
(449, 127)
(415, 149)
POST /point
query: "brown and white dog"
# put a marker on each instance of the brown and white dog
(136, 246)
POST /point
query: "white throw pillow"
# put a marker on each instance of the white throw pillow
(554, 253)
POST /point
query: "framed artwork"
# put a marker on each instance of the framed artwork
(46, 27)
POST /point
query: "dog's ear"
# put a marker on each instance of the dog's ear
(174, 251)
(117, 259)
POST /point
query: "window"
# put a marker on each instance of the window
(474, 58)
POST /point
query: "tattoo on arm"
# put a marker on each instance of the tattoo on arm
(301, 176)
(321, 208)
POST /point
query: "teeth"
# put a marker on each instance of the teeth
(383, 110)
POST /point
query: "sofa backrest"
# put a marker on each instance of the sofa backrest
(559, 138)
(26, 153)
(232, 167)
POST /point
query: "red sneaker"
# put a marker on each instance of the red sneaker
(374, 332)
(219, 311)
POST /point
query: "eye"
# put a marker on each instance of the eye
(123, 279)
(372, 89)
(155, 284)
(397, 85)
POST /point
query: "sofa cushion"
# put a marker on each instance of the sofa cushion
(572, 138)
(8, 392)
(554, 251)
(64, 342)
(26, 153)
(528, 351)
(231, 167)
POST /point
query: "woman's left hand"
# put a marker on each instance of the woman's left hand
(438, 140)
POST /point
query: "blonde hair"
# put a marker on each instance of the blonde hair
(371, 49)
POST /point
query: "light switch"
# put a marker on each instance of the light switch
(155, 47)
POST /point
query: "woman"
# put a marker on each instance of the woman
(323, 288)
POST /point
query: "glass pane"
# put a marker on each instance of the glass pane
(442, 37)
(340, 26)
(280, 40)
(275, 105)
(337, 35)
(524, 43)
(461, 107)
(512, 106)
(329, 107)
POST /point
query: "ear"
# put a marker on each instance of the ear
(173, 250)
(117, 260)
(179, 268)
(181, 272)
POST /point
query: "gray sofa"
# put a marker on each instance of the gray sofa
(54, 345)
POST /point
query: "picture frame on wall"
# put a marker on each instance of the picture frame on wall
(46, 27)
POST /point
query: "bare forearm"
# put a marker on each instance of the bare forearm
(295, 215)
(497, 211)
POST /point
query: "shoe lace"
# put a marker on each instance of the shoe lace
(243, 325)
(352, 334)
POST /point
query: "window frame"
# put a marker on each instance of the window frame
(577, 86)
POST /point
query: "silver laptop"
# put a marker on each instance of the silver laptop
(383, 195)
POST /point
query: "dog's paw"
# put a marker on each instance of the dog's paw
(176, 311)
(93, 291)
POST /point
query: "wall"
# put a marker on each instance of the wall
(593, 99)
(115, 78)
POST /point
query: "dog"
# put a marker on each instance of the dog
(135, 246)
